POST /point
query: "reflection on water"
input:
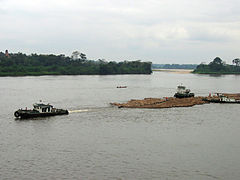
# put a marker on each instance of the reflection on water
(97, 141)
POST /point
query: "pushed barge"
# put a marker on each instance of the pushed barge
(39, 110)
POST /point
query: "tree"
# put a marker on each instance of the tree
(217, 60)
(217, 65)
(77, 55)
(83, 56)
(236, 61)
(102, 61)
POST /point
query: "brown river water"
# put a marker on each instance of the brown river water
(97, 141)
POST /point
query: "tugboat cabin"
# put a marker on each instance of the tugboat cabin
(182, 92)
(42, 108)
(182, 89)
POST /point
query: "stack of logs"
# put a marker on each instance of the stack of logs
(161, 102)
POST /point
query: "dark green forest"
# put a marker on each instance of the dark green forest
(19, 64)
(218, 66)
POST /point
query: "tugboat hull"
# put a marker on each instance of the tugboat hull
(23, 114)
(179, 95)
(219, 101)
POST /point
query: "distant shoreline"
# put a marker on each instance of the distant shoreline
(219, 67)
(33, 75)
(18, 64)
(217, 73)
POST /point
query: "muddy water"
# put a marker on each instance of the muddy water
(97, 141)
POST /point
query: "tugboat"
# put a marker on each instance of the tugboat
(182, 92)
(221, 98)
(121, 86)
(39, 110)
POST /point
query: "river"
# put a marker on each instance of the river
(97, 141)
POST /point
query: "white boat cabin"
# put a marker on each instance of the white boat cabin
(182, 89)
(42, 108)
(226, 99)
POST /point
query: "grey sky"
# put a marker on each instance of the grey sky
(161, 31)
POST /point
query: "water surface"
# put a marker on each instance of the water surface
(97, 141)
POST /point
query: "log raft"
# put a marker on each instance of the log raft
(169, 102)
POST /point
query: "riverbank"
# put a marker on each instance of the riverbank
(218, 73)
(177, 71)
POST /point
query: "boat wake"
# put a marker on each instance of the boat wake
(79, 110)
(90, 109)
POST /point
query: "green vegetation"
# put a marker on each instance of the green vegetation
(19, 64)
(218, 66)
(174, 66)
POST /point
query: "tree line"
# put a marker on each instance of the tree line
(19, 64)
(218, 66)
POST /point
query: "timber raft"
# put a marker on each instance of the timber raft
(171, 102)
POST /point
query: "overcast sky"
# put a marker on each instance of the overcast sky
(161, 31)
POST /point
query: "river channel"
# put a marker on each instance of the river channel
(97, 141)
